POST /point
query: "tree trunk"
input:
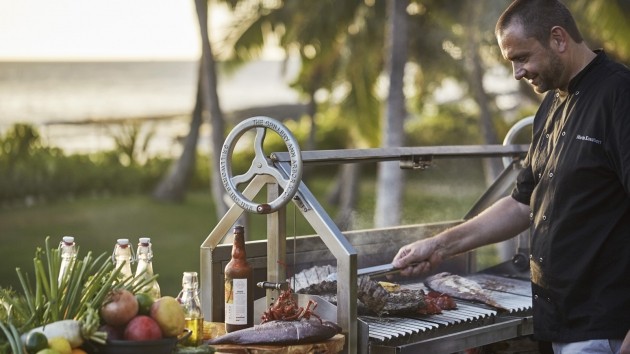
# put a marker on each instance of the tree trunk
(211, 107)
(173, 186)
(390, 176)
(492, 166)
(347, 195)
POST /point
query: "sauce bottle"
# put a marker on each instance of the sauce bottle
(239, 286)
(189, 299)
(68, 253)
(144, 270)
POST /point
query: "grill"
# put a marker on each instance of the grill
(470, 325)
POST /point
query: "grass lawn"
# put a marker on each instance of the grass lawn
(177, 230)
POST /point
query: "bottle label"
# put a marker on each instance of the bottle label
(236, 301)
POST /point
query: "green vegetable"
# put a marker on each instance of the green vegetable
(75, 332)
(78, 296)
(12, 336)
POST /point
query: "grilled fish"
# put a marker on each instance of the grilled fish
(371, 295)
(461, 288)
(281, 332)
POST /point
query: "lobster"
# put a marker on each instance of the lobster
(285, 308)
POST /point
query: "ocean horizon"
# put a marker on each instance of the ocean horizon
(70, 102)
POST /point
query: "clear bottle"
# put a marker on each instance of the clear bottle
(189, 298)
(144, 270)
(68, 252)
(123, 255)
(239, 286)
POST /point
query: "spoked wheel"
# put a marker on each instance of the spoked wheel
(261, 165)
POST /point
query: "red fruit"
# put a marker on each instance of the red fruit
(142, 328)
(119, 307)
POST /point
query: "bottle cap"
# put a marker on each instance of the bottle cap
(123, 241)
(145, 240)
(68, 239)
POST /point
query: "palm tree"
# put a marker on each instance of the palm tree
(390, 177)
(207, 105)
(333, 52)
(172, 187)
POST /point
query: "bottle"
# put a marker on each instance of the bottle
(189, 298)
(123, 254)
(239, 286)
(144, 270)
(68, 253)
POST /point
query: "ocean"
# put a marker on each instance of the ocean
(70, 102)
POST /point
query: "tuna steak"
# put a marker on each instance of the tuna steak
(281, 332)
(461, 288)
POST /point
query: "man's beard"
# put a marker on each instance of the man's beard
(549, 79)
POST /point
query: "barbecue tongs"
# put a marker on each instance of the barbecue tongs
(372, 272)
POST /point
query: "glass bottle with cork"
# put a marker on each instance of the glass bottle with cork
(123, 257)
(68, 253)
(144, 270)
(189, 299)
(239, 286)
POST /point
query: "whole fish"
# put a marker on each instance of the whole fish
(281, 332)
(461, 288)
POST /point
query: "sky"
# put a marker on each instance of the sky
(100, 29)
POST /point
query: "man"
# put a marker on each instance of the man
(574, 190)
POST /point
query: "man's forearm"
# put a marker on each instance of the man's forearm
(501, 221)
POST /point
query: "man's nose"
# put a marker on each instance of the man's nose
(519, 71)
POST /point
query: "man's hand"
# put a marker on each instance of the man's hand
(423, 252)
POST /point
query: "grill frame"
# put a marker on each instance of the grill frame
(343, 248)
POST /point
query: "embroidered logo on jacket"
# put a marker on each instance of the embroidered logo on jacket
(589, 139)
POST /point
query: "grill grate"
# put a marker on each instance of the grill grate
(513, 294)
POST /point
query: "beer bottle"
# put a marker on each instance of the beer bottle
(239, 286)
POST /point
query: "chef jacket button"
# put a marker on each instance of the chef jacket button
(547, 136)
(540, 175)
(550, 174)
(557, 94)
(549, 300)
(531, 216)
(540, 259)
(544, 217)
(564, 133)
(536, 297)
(531, 256)
(577, 93)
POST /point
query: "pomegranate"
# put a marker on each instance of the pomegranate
(142, 328)
(119, 307)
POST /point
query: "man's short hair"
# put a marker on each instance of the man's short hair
(538, 17)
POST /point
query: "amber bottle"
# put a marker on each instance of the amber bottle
(239, 286)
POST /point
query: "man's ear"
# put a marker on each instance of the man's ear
(558, 38)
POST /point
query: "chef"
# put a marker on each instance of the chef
(574, 190)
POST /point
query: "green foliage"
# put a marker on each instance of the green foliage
(32, 170)
(450, 126)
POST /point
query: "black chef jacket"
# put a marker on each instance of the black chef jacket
(577, 183)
